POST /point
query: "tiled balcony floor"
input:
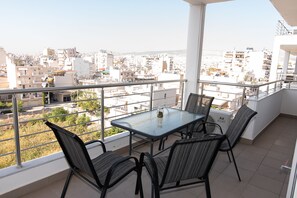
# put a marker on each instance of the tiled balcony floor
(259, 167)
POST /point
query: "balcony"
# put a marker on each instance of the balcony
(259, 165)
(270, 136)
(266, 145)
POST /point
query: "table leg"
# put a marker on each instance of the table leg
(152, 147)
(130, 143)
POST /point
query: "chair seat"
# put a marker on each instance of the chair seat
(104, 162)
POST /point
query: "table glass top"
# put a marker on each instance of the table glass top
(149, 125)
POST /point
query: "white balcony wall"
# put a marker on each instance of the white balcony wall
(268, 108)
(289, 106)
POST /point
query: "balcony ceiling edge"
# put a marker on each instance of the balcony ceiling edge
(197, 2)
(287, 9)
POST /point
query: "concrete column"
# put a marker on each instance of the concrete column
(275, 58)
(286, 62)
(194, 48)
(295, 70)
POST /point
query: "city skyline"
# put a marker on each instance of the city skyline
(132, 26)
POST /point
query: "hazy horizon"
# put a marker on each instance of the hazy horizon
(132, 26)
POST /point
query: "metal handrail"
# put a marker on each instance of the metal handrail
(239, 84)
(254, 89)
(102, 86)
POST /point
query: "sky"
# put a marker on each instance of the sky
(27, 27)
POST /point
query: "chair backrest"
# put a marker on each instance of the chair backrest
(239, 124)
(74, 150)
(199, 104)
(191, 158)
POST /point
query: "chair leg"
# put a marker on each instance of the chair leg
(235, 165)
(207, 188)
(70, 174)
(229, 156)
(161, 144)
(155, 191)
(139, 184)
(103, 192)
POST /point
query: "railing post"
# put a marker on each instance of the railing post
(182, 95)
(151, 97)
(48, 98)
(202, 88)
(243, 96)
(16, 131)
(267, 89)
(102, 114)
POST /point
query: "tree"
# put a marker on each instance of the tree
(58, 114)
(89, 102)
(83, 120)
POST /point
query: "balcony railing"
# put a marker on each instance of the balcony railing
(24, 136)
(233, 95)
(86, 110)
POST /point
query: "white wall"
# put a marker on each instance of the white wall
(11, 73)
(81, 67)
(267, 108)
(289, 102)
(66, 80)
(2, 57)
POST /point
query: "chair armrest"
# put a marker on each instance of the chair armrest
(116, 164)
(211, 123)
(150, 165)
(96, 141)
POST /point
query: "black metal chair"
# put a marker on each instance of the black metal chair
(234, 131)
(196, 103)
(189, 162)
(103, 171)
(199, 104)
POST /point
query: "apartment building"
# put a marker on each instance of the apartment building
(284, 60)
(259, 63)
(2, 57)
(80, 66)
(104, 60)
(65, 53)
(26, 77)
(247, 65)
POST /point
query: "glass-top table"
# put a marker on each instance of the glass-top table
(147, 124)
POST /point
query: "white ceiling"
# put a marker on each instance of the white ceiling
(290, 48)
(288, 10)
(197, 2)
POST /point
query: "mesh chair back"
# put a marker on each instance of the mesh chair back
(238, 124)
(74, 150)
(199, 104)
(191, 158)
